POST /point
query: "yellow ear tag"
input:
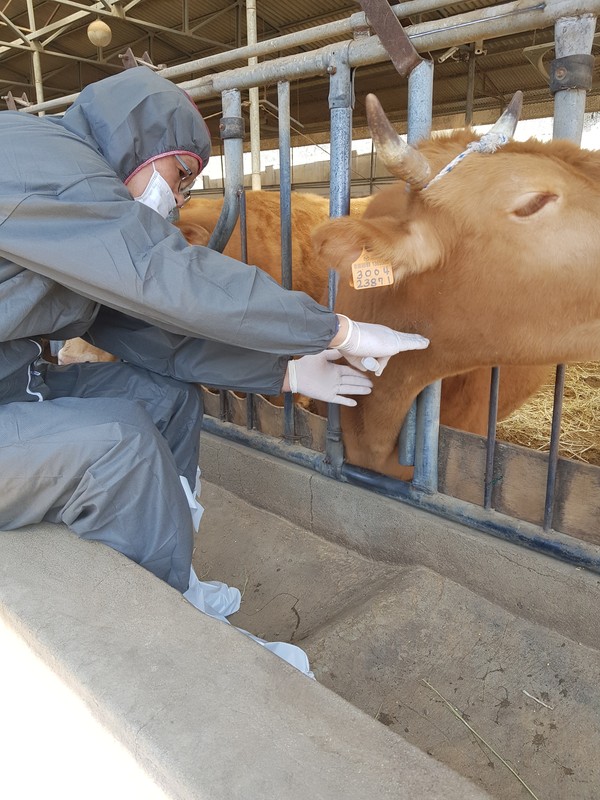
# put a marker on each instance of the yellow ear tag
(367, 273)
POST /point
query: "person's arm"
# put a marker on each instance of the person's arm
(123, 255)
(185, 358)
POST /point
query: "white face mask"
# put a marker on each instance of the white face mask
(158, 195)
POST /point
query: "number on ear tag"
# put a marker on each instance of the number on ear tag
(367, 274)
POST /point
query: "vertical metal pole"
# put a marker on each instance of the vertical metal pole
(420, 93)
(559, 388)
(233, 186)
(251, 38)
(285, 208)
(233, 147)
(341, 104)
(244, 258)
(573, 36)
(488, 485)
(420, 104)
(35, 59)
(233, 179)
(470, 87)
(285, 182)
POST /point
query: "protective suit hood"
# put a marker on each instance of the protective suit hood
(135, 116)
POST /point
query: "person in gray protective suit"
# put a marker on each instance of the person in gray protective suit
(85, 248)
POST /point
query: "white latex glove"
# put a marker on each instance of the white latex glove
(369, 347)
(318, 377)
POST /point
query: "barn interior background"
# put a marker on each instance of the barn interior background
(47, 52)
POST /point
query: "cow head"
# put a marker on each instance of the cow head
(496, 262)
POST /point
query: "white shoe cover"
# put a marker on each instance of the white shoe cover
(218, 600)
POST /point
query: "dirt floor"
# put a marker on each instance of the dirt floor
(420, 653)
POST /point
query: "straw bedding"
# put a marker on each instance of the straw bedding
(580, 429)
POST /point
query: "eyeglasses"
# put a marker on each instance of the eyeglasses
(185, 183)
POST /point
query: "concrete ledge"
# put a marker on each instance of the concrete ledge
(205, 711)
(534, 586)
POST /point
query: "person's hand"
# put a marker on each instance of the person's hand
(369, 347)
(318, 377)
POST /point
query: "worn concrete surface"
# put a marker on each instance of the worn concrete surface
(439, 616)
(208, 713)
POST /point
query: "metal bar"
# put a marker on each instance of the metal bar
(285, 184)
(341, 103)
(407, 441)
(387, 26)
(574, 36)
(425, 438)
(211, 18)
(420, 104)
(253, 95)
(250, 411)
(244, 258)
(490, 451)
(559, 388)
(285, 223)
(36, 62)
(243, 226)
(222, 405)
(233, 180)
(425, 476)
(558, 545)
(14, 28)
(470, 87)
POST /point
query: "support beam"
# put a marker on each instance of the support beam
(36, 63)
(98, 10)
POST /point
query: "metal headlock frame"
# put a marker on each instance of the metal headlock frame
(574, 24)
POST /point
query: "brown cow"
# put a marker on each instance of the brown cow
(496, 263)
(464, 397)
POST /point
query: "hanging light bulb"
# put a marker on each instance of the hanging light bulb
(99, 33)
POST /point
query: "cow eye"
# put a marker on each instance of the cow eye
(534, 203)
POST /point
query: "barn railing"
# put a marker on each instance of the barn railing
(419, 439)
(574, 24)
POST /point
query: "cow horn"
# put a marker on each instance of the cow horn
(402, 160)
(508, 121)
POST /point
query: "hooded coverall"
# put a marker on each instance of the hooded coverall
(101, 447)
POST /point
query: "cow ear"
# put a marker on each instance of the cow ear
(194, 233)
(409, 247)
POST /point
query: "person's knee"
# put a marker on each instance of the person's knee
(187, 400)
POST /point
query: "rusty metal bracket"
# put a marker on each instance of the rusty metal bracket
(392, 35)
(571, 72)
(130, 60)
(12, 102)
(231, 128)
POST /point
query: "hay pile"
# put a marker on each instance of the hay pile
(580, 430)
